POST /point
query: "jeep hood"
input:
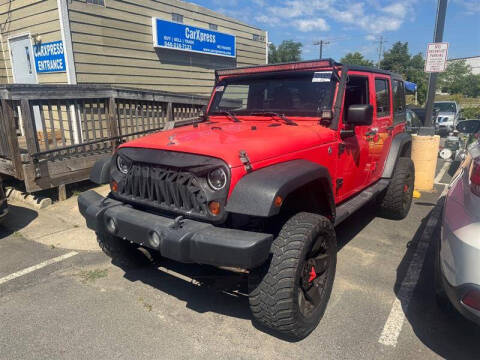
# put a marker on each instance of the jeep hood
(260, 139)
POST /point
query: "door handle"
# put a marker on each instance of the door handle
(372, 132)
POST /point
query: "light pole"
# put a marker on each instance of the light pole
(432, 81)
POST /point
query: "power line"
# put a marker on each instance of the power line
(381, 42)
(321, 43)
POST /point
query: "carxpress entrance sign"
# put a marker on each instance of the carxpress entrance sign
(172, 35)
(49, 57)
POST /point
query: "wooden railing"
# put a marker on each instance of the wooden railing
(52, 135)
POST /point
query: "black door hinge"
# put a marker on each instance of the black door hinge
(245, 161)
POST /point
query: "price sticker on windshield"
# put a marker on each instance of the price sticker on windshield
(322, 76)
(219, 88)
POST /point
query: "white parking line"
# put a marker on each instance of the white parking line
(36, 267)
(442, 172)
(395, 320)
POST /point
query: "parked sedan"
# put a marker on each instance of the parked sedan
(457, 273)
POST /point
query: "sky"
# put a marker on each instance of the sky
(358, 25)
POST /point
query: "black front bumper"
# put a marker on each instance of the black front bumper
(186, 241)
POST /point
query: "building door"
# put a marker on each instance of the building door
(23, 66)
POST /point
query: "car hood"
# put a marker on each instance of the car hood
(260, 139)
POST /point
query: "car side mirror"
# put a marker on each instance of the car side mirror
(360, 114)
(469, 126)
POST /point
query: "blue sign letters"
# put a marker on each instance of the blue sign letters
(49, 57)
(172, 35)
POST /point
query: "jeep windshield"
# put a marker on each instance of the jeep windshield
(299, 94)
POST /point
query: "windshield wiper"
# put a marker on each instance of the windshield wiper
(230, 114)
(273, 114)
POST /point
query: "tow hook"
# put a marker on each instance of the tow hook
(177, 223)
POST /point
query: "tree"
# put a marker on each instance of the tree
(416, 74)
(287, 51)
(459, 79)
(472, 85)
(399, 60)
(356, 59)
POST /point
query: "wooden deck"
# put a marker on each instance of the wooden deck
(68, 127)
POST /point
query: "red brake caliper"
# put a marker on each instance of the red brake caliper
(405, 188)
(312, 274)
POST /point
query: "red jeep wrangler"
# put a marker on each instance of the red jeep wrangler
(283, 155)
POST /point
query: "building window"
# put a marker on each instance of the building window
(213, 27)
(177, 18)
(96, 2)
(257, 37)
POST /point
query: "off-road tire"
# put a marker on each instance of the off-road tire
(274, 287)
(397, 199)
(122, 253)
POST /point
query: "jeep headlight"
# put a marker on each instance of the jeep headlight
(123, 165)
(217, 179)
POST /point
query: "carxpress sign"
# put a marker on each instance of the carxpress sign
(49, 57)
(172, 35)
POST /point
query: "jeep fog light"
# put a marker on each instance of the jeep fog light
(217, 179)
(214, 207)
(111, 225)
(155, 239)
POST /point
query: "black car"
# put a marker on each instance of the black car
(3, 202)
(419, 112)
(413, 122)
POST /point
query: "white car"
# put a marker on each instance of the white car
(457, 263)
(447, 116)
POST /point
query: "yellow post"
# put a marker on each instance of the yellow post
(424, 156)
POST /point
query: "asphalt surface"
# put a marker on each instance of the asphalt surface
(84, 307)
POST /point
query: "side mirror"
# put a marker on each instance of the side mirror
(360, 114)
(469, 126)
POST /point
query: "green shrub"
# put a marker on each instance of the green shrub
(470, 113)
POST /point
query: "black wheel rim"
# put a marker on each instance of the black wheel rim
(314, 277)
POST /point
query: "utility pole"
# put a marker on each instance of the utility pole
(381, 42)
(321, 43)
(432, 81)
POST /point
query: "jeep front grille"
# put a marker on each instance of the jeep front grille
(164, 188)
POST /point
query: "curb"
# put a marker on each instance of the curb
(32, 200)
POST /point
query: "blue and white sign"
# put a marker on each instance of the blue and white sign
(172, 35)
(49, 57)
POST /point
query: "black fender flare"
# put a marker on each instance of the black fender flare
(100, 173)
(401, 146)
(254, 194)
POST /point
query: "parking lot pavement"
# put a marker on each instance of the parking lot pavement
(83, 307)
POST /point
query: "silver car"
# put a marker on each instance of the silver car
(457, 273)
(447, 116)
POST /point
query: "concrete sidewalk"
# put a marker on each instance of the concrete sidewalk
(59, 225)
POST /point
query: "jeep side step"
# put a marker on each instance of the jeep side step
(350, 206)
